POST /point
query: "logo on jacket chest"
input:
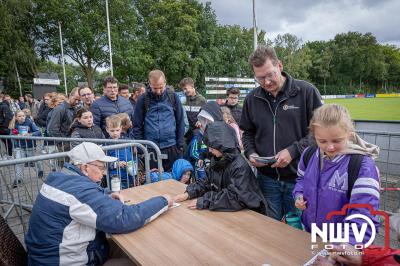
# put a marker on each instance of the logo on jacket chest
(338, 182)
(286, 107)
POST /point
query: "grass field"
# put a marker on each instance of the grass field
(371, 108)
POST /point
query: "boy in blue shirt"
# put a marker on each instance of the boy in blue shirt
(124, 168)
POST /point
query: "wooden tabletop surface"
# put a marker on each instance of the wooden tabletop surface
(182, 236)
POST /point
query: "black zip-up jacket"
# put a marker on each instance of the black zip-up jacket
(80, 131)
(41, 118)
(6, 116)
(268, 131)
(60, 120)
(230, 184)
(192, 108)
(236, 111)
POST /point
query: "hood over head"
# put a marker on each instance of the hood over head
(222, 137)
(180, 167)
(211, 109)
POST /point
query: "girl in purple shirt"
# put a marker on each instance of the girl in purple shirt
(322, 185)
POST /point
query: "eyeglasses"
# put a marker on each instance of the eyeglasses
(100, 167)
(269, 77)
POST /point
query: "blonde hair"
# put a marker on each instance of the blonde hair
(113, 121)
(11, 125)
(155, 75)
(227, 115)
(331, 115)
(53, 102)
(125, 120)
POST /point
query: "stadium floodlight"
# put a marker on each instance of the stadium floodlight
(62, 58)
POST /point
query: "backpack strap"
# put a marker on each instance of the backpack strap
(308, 153)
(353, 171)
(171, 98)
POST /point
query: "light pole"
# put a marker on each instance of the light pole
(62, 59)
(255, 41)
(254, 25)
(109, 39)
(18, 79)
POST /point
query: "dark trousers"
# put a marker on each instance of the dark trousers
(7, 142)
(173, 154)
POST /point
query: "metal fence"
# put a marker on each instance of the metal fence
(16, 201)
(26, 146)
(20, 181)
(388, 163)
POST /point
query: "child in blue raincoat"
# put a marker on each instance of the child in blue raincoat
(181, 171)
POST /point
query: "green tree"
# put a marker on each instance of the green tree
(16, 42)
(170, 31)
(321, 53)
(84, 30)
(296, 57)
(392, 60)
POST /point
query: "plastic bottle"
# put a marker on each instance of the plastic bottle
(115, 184)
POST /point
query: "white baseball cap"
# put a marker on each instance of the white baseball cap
(87, 152)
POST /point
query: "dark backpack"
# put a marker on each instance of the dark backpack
(171, 98)
(353, 168)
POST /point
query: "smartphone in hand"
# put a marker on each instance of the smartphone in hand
(265, 160)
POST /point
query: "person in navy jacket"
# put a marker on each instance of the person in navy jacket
(109, 104)
(159, 118)
(73, 213)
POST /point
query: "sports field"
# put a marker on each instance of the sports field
(371, 108)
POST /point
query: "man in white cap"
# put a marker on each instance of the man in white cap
(72, 213)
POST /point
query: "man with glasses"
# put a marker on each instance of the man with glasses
(87, 96)
(232, 102)
(159, 118)
(73, 213)
(110, 104)
(275, 122)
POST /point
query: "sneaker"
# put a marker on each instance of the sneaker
(40, 174)
(17, 183)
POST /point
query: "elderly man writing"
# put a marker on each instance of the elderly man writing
(72, 213)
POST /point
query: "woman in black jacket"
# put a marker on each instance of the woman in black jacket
(230, 184)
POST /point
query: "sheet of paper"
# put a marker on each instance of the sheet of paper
(322, 253)
(175, 205)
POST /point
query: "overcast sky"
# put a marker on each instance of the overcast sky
(314, 19)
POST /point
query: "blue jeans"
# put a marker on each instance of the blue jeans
(278, 195)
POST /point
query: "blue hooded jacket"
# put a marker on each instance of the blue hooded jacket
(178, 169)
(161, 123)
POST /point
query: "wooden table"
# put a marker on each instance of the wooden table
(182, 236)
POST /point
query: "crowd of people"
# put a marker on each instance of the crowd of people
(316, 162)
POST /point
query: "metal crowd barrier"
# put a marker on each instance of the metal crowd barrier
(388, 164)
(19, 189)
(47, 145)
